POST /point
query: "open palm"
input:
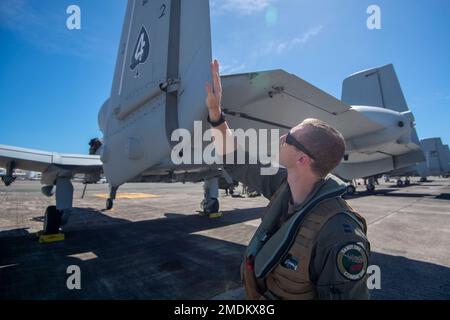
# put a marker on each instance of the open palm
(214, 90)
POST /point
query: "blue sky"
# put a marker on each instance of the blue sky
(53, 81)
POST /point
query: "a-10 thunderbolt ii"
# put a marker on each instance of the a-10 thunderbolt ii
(162, 66)
(437, 163)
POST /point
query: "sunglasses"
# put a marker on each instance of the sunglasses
(290, 140)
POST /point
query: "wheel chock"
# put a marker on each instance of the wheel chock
(214, 215)
(49, 238)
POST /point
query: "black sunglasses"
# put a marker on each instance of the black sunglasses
(293, 142)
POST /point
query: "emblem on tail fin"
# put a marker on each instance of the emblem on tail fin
(141, 49)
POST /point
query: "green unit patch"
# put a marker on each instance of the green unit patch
(352, 261)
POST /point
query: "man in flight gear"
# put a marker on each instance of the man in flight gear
(310, 244)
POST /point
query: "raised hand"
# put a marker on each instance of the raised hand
(214, 93)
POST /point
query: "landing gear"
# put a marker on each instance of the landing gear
(370, 187)
(226, 183)
(8, 180)
(112, 197)
(9, 177)
(400, 183)
(210, 204)
(407, 182)
(109, 204)
(64, 197)
(351, 190)
(52, 220)
(56, 217)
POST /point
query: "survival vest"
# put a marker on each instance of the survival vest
(262, 273)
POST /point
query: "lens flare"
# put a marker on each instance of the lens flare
(271, 16)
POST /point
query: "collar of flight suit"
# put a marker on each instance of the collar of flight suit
(311, 195)
(268, 247)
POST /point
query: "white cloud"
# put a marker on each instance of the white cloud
(279, 47)
(241, 7)
(230, 64)
(231, 67)
(289, 45)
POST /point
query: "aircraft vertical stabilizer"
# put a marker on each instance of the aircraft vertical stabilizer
(161, 69)
(380, 87)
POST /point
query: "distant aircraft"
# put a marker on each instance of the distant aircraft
(437, 158)
(162, 66)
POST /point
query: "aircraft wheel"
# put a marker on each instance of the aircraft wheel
(407, 182)
(8, 180)
(210, 206)
(231, 191)
(399, 183)
(109, 204)
(370, 187)
(351, 190)
(52, 220)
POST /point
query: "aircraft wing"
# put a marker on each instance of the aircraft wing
(278, 99)
(270, 100)
(37, 160)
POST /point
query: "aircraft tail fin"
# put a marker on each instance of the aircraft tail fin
(161, 43)
(163, 63)
(378, 87)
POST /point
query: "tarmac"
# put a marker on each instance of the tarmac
(154, 245)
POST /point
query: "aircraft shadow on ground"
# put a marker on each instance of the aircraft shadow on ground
(168, 259)
(403, 278)
(443, 196)
(154, 259)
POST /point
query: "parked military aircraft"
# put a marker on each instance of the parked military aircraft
(437, 163)
(162, 65)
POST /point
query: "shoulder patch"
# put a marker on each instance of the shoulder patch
(352, 261)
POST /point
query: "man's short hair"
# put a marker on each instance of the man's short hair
(326, 144)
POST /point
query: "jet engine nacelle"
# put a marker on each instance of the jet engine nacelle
(397, 126)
